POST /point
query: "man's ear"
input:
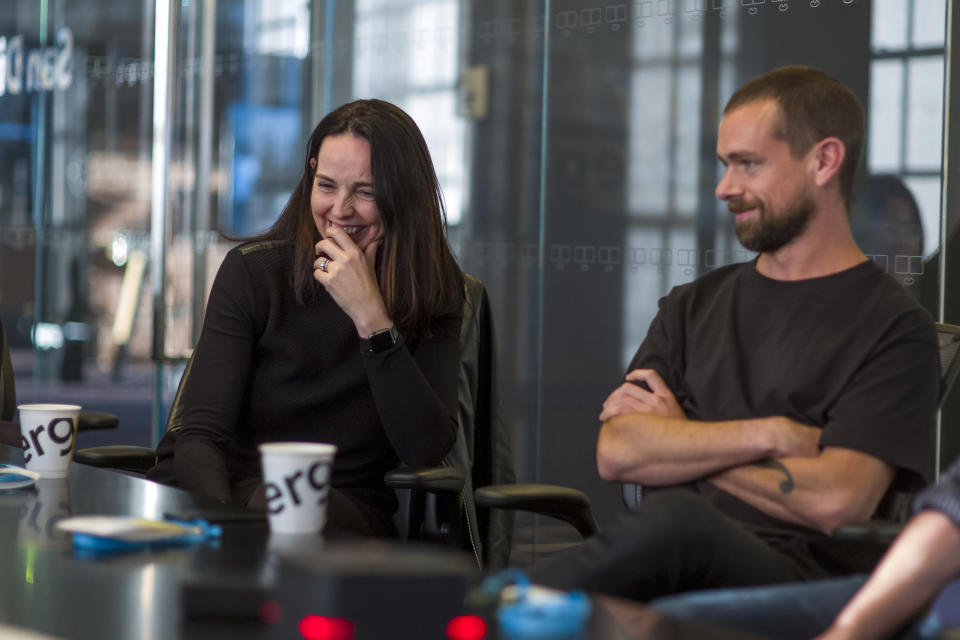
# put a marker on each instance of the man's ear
(827, 158)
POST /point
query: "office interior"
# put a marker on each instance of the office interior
(574, 141)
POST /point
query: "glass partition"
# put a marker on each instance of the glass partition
(76, 104)
(574, 140)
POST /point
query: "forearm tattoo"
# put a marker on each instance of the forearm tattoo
(787, 485)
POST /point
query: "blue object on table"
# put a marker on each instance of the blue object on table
(537, 613)
(189, 533)
(14, 477)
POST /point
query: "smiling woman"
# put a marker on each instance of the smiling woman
(340, 324)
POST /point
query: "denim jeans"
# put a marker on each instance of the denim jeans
(800, 610)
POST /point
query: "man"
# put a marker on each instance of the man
(784, 396)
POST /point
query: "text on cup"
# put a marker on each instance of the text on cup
(315, 478)
(60, 430)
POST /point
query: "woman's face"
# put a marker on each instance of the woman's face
(343, 190)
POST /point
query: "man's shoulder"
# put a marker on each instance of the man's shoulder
(712, 283)
(889, 298)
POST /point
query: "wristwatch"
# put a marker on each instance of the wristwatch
(382, 340)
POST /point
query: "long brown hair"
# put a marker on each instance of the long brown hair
(418, 276)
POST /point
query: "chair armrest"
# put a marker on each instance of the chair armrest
(118, 456)
(880, 532)
(442, 479)
(90, 420)
(567, 504)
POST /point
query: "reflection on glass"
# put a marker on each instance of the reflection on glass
(929, 23)
(927, 192)
(924, 113)
(885, 120)
(885, 220)
(889, 20)
(406, 52)
(47, 504)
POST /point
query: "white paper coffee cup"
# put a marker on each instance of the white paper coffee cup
(296, 478)
(48, 432)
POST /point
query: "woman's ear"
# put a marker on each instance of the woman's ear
(313, 164)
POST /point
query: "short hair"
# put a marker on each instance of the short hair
(418, 275)
(813, 105)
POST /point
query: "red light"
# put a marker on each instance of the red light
(270, 611)
(467, 628)
(323, 628)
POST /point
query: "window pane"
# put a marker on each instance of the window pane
(924, 113)
(649, 140)
(889, 24)
(885, 118)
(929, 23)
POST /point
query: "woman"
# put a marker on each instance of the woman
(340, 324)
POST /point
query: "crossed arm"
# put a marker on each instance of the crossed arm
(772, 463)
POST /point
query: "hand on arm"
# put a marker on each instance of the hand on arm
(351, 280)
(646, 438)
(821, 490)
(630, 397)
(923, 559)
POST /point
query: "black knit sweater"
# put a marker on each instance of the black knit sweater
(268, 369)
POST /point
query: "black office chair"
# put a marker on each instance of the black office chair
(894, 511)
(441, 500)
(8, 392)
(479, 470)
(10, 431)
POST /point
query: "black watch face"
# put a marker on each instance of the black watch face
(382, 340)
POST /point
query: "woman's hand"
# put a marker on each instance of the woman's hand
(351, 280)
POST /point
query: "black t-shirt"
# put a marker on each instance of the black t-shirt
(851, 353)
(268, 369)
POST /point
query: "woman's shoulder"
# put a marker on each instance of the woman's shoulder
(264, 249)
(254, 261)
(259, 256)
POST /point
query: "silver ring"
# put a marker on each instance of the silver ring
(323, 264)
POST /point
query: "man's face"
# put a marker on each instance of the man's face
(767, 189)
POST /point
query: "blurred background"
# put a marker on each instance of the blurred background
(574, 141)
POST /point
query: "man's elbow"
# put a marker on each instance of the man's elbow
(608, 467)
(616, 460)
(839, 511)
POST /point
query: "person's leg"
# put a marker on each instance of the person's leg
(674, 542)
(943, 616)
(798, 610)
(347, 513)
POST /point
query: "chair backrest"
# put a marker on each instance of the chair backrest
(484, 432)
(8, 394)
(481, 454)
(949, 337)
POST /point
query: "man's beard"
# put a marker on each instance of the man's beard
(766, 232)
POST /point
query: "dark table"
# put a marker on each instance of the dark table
(248, 585)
